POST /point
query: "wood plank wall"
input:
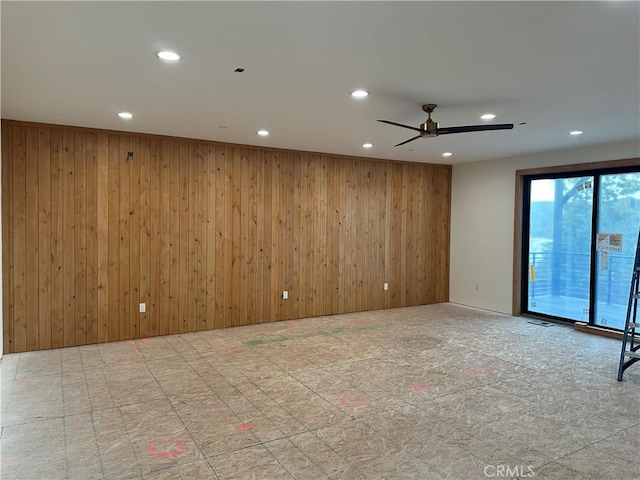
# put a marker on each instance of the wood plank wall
(207, 235)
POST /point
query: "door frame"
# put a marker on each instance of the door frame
(520, 180)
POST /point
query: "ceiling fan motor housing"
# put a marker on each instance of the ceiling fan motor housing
(429, 128)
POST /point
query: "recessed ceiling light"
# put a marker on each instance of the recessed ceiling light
(367, 145)
(447, 154)
(576, 132)
(167, 55)
(126, 115)
(359, 94)
(262, 133)
(488, 116)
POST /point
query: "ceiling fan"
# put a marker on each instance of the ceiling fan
(430, 128)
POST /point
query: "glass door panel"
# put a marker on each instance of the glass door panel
(616, 239)
(560, 217)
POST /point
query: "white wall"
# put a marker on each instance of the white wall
(482, 220)
(1, 250)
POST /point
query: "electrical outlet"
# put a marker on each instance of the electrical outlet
(143, 307)
(385, 286)
(285, 295)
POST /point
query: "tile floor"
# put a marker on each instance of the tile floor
(430, 392)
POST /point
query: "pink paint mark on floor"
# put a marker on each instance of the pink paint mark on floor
(145, 340)
(244, 427)
(479, 371)
(289, 322)
(10, 458)
(135, 349)
(419, 386)
(351, 401)
(165, 448)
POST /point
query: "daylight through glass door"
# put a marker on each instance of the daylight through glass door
(616, 240)
(579, 237)
(559, 247)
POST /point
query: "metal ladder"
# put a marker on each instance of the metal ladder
(630, 346)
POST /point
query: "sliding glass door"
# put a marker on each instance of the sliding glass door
(616, 239)
(580, 234)
(559, 247)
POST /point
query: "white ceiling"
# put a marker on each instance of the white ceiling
(557, 66)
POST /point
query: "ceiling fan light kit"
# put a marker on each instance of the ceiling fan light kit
(430, 127)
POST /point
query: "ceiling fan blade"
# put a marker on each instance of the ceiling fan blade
(407, 141)
(400, 125)
(475, 128)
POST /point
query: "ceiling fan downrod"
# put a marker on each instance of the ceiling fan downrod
(430, 128)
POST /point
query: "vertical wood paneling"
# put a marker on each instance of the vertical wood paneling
(31, 241)
(7, 238)
(252, 214)
(207, 235)
(321, 294)
(144, 234)
(80, 240)
(68, 235)
(113, 237)
(227, 245)
(267, 292)
(124, 240)
(410, 277)
(342, 192)
(183, 236)
(174, 239)
(309, 258)
(332, 223)
(19, 236)
(288, 251)
(276, 228)
(134, 238)
(155, 312)
(300, 212)
(235, 274)
(193, 229)
(243, 252)
(220, 232)
(91, 158)
(202, 221)
(165, 264)
(102, 218)
(395, 187)
(57, 252)
(210, 201)
(258, 161)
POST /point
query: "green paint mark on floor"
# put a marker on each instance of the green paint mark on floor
(322, 333)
